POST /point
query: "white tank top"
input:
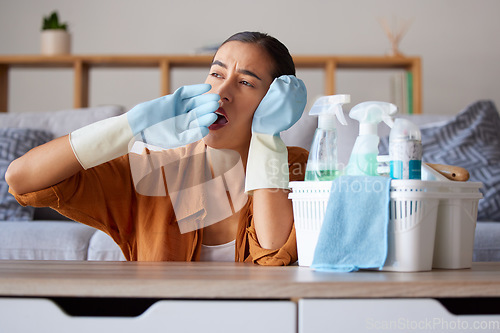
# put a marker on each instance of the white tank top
(222, 252)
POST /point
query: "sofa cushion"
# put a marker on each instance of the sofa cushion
(471, 140)
(103, 247)
(487, 242)
(44, 240)
(15, 142)
(59, 122)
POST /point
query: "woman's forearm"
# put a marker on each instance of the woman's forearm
(43, 166)
(273, 217)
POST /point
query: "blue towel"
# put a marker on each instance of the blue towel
(354, 231)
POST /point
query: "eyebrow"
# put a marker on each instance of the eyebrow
(242, 71)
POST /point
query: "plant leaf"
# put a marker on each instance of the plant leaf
(52, 22)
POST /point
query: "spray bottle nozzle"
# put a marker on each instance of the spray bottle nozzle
(369, 114)
(329, 106)
(363, 160)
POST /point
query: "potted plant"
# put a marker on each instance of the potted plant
(55, 37)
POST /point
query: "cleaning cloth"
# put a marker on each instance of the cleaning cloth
(354, 231)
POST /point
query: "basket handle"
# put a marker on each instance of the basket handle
(451, 172)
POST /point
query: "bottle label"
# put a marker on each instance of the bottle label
(405, 159)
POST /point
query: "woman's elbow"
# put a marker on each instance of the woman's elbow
(14, 176)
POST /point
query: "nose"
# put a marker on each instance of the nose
(225, 91)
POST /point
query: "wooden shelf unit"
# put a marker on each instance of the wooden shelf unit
(82, 64)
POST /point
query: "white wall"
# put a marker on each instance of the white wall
(458, 41)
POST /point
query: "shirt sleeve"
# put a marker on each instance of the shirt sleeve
(287, 254)
(100, 197)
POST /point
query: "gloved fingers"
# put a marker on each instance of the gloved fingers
(285, 91)
(203, 109)
(176, 132)
(285, 78)
(291, 86)
(203, 121)
(203, 132)
(300, 92)
(192, 135)
(211, 99)
(295, 93)
(188, 122)
(298, 100)
(191, 91)
(281, 107)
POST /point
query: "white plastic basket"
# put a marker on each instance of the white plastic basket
(309, 201)
(414, 209)
(455, 222)
(412, 228)
(456, 226)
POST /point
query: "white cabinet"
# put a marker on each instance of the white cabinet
(371, 315)
(42, 315)
(306, 316)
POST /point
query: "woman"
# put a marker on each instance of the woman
(250, 96)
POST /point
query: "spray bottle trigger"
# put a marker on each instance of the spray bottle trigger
(387, 117)
(338, 101)
(388, 120)
(340, 115)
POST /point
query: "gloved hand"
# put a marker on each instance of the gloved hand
(283, 105)
(175, 120)
(169, 121)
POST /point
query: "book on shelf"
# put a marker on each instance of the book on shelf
(402, 92)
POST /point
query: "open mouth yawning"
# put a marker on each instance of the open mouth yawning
(221, 120)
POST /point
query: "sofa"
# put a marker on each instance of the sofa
(42, 234)
(28, 233)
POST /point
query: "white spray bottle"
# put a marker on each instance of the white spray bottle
(363, 160)
(322, 162)
(405, 150)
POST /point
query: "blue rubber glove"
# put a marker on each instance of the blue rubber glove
(283, 105)
(177, 119)
(168, 122)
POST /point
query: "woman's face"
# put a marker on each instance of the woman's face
(241, 75)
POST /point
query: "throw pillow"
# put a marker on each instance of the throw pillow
(15, 142)
(471, 140)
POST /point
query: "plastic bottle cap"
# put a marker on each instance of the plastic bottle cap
(404, 129)
(368, 129)
(326, 121)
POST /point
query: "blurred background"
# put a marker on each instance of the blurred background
(458, 41)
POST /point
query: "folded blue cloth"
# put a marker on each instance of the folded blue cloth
(354, 231)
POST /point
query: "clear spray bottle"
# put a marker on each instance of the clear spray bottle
(322, 163)
(363, 160)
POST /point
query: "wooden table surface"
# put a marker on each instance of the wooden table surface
(195, 280)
